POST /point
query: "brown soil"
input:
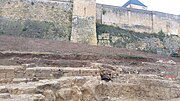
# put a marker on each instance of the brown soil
(80, 51)
(18, 51)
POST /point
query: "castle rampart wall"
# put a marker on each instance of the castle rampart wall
(84, 22)
(65, 20)
(75, 20)
(36, 18)
(138, 20)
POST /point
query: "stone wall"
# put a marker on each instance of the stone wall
(122, 38)
(138, 20)
(75, 20)
(84, 22)
(36, 18)
(63, 20)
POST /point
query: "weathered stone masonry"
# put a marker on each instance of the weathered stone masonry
(75, 20)
(39, 19)
(138, 20)
(50, 19)
(84, 22)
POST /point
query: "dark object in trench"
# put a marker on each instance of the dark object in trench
(105, 77)
(175, 55)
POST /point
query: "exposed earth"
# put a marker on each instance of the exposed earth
(46, 70)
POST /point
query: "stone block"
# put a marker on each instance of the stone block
(49, 95)
(83, 30)
(3, 89)
(6, 69)
(4, 95)
(29, 73)
(19, 75)
(57, 72)
(41, 74)
(66, 94)
(10, 75)
(19, 80)
(29, 65)
(2, 70)
(2, 75)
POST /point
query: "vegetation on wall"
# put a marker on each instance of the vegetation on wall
(102, 28)
(131, 35)
(161, 35)
(104, 12)
(123, 38)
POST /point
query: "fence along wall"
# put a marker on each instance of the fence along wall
(138, 20)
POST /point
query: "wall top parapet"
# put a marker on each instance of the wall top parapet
(157, 13)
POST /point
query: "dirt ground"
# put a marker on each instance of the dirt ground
(18, 51)
(10, 43)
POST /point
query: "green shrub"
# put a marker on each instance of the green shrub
(104, 12)
(161, 35)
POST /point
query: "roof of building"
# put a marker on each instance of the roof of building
(136, 2)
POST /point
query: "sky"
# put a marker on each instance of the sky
(166, 6)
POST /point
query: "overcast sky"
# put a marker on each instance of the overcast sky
(167, 6)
